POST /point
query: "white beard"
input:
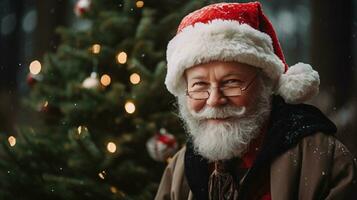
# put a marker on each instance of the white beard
(224, 140)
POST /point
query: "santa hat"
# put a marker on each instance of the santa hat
(236, 32)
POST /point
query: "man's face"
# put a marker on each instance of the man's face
(215, 75)
(222, 127)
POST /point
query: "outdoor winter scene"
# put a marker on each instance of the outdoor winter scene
(178, 100)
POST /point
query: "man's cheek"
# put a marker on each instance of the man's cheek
(195, 105)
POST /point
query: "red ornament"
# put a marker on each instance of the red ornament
(33, 79)
(162, 146)
(167, 139)
(82, 7)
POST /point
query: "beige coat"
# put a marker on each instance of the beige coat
(319, 167)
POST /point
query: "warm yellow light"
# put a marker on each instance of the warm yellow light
(105, 79)
(102, 175)
(96, 48)
(122, 57)
(113, 189)
(130, 107)
(111, 147)
(135, 78)
(45, 104)
(139, 4)
(79, 130)
(12, 141)
(35, 67)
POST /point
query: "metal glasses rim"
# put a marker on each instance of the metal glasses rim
(208, 92)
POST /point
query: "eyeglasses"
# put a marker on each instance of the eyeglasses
(226, 91)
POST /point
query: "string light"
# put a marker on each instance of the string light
(111, 147)
(35, 67)
(45, 104)
(102, 174)
(113, 189)
(135, 78)
(130, 107)
(105, 79)
(79, 130)
(96, 48)
(139, 4)
(122, 57)
(12, 141)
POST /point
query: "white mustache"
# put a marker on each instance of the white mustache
(216, 113)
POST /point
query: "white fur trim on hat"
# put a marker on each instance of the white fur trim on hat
(299, 83)
(219, 40)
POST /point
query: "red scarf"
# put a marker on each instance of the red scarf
(248, 160)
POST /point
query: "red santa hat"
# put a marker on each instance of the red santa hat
(236, 32)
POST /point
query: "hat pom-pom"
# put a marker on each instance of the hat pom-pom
(298, 84)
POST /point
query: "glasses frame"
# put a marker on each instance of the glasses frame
(189, 93)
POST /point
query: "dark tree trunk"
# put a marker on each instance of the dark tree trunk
(332, 47)
(51, 14)
(333, 56)
(9, 65)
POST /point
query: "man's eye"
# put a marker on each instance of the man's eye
(232, 82)
(199, 84)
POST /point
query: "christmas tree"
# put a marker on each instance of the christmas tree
(100, 105)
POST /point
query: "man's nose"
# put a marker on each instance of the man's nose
(216, 98)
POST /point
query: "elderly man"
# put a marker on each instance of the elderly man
(249, 135)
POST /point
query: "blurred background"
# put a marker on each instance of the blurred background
(83, 108)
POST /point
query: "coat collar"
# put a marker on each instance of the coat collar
(288, 124)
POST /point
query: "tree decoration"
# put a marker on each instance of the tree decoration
(111, 147)
(129, 107)
(82, 7)
(105, 80)
(139, 4)
(96, 48)
(135, 78)
(91, 82)
(122, 57)
(35, 67)
(162, 145)
(12, 141)
(32, 79)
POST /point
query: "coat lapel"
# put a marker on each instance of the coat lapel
(196, 171)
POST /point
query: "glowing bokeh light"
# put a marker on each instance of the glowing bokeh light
(96, 48)
(130, 107)
(140, 4)
(105, 80)
(122, 57)
(111, 147)
(35, 67)
(135, 78)
(12, 141)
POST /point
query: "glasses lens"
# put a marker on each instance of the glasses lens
(199, 94)
(232, 91)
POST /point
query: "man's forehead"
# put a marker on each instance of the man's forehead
(220, 69)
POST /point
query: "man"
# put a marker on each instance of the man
(249, 135)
